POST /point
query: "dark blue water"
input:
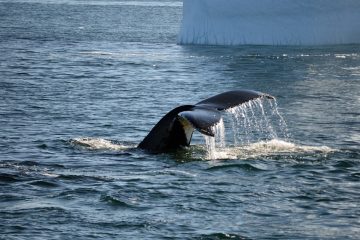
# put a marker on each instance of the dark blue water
(82, 83)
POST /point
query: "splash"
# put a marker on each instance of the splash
(257, 129)
(97, 144)
(255, 121)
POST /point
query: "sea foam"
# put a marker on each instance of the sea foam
(98, 144)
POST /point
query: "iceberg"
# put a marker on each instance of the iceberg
(270, 22)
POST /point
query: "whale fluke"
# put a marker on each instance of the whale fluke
(175, 129)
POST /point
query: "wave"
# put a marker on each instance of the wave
(119, 200)
(98, 53)
(224, 236)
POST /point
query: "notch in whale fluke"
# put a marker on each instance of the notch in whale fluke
(175, 129)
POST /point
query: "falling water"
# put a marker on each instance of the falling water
(254, 121)
(257, 120)
(218, 140)
(282, 126)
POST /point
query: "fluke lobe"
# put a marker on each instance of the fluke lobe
(175, 129)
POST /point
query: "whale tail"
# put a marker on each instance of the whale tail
(175, 129)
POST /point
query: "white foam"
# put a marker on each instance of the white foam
(277, 146)
(270, 22)
(98, 144)
(266, 149)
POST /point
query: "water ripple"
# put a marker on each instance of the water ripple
(242, 166)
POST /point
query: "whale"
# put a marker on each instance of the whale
(174, 131)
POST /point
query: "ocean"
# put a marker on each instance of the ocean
(83, 82)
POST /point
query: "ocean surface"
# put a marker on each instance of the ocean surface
(83, 82)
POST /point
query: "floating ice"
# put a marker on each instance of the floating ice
(270, 22)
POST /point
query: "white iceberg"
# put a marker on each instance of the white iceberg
(270, 22)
